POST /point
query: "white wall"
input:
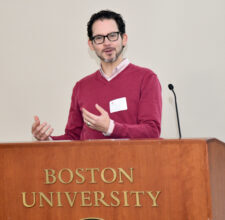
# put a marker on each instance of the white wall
(43, 52)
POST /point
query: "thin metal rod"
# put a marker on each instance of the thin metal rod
(178, 121)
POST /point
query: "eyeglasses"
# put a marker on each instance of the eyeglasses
(99, 39)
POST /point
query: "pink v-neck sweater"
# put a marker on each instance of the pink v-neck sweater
(142, 119)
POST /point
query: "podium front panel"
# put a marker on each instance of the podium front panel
(107, 180)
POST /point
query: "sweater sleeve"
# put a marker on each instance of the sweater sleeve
(149, 113)
(75, 120)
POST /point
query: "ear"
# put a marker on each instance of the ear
(90, 44)
(124, 39)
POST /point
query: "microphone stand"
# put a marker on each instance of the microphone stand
(178, 121)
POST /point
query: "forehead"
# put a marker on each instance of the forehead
(104, 27)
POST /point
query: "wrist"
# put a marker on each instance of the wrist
(110, 128)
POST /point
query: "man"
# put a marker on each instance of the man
(121, 100)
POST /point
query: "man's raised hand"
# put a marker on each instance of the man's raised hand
(40, 131)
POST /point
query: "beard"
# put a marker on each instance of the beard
(113, 59)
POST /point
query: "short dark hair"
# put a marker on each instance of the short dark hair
(106, 14)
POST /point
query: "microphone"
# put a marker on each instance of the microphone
(178, 121)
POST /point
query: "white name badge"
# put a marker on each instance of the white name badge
(117, 105)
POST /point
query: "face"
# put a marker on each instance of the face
(109, 51)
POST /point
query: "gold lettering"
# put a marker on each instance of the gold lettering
(89, 198)
(25, 202)
(83, 198)
(122, 171)
(92, 173)
(70, 173)
(115, 198)
(103, 175)
(59, 199)
(154, 198)
(97, 199)
(48, 175)
(71, 202)
(43, 196)
(79, 175)
(125, 198)
(137, 193)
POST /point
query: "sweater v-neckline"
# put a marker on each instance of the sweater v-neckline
(105, 81)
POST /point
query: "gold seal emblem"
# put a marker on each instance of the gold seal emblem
(92, 218)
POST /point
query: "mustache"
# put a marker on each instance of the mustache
(108, 48)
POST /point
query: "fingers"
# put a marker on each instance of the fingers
(38, 129)
(46, 135)
(88, 114)
(96, 122)
(41, 131)
(100, 109)
(49, 132)
(89, 124)
(89, 117)
(44, 129)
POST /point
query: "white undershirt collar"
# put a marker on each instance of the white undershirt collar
(116, 71)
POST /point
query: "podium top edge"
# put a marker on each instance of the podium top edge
(104, 141)
(211, 140)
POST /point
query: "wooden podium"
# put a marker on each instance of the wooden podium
(113, 180)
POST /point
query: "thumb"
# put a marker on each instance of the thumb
(100, 109)
(36, 118)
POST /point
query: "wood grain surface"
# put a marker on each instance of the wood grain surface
(179, 169)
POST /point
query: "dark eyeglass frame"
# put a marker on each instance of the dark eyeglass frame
(93, 39)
